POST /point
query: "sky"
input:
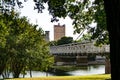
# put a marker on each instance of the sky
(44, 20)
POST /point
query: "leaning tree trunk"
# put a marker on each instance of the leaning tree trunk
(2, 67)
(17, 67)
(112, 8)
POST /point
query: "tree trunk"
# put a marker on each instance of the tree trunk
(112, 10)
(17, 68)
(2, 67)
(16, 74)
(30, 73)
(30, 67)
(107, 66)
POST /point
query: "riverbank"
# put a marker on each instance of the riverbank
(89, 77)
(65, 71)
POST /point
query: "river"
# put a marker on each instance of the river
(88, 70)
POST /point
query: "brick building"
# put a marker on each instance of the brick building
(59, 31)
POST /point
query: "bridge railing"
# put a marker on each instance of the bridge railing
(79, 48)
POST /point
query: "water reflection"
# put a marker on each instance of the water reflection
(96, 69)
(86, 70)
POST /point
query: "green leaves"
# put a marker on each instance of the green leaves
(90, 12)
(23, 44)
(57, 8)
(65, 40)
(85, 37)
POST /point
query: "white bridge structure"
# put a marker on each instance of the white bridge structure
(78, 53)
(86, 47)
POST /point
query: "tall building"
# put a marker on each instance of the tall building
(47, 33)
(59, 31)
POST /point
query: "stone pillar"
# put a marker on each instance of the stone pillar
(107, 66)
(81, 60)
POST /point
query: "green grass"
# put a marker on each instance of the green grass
(89, 77)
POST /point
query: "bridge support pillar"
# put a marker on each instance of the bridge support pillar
(107, 66)
(57, 59)
(81, 60)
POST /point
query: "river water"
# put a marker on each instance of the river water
(92, 69)
(88, 70)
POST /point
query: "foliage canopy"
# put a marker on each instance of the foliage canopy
(82, 12)
(22, 46)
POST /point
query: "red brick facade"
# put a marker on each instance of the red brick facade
(59, 31)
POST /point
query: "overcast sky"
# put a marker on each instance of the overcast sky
(43, 20)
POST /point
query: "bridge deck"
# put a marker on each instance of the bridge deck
(79, 48)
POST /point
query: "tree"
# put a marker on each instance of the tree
(85, 37)
(113, 23)
(113, 26)
(4, 56)
(53, 43)
(65, 40)
(22, 45)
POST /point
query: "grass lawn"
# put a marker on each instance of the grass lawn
(89, 77)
